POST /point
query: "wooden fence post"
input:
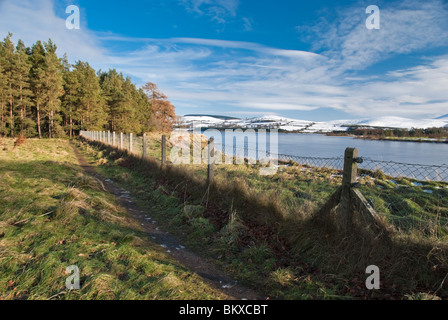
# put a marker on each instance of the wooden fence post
(163, 150)
(211, 160)
(130, 142)
(348, 178)
(114, 142)
(108, 137)
(144, 146)
(121, 140)
(351, 200)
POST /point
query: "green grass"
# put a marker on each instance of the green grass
(246, 217)
(236, 245)
(67, 219)
(413, 207)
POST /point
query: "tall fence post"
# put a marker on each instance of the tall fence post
(163, 150)
(121, 140)
(114, 142)
(130, 142)
(348, 178)
(211, 160)
(144, 145)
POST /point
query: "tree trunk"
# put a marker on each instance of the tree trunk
(2, 118)
(38, 120)
(71, 126)
(22, 111)
(50, 124)
(11, 115)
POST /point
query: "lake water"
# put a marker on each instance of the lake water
(317, 145)
(321, 146)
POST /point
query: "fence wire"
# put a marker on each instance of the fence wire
(412, 197)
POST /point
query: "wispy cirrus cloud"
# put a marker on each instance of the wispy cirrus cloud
(406, 26)
(409, 92)
(217, 10)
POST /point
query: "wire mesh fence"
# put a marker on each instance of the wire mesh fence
(412, 197)
(407, 170)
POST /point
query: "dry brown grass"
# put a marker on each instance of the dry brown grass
(20, 140)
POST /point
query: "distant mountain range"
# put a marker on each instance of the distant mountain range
(305, 126)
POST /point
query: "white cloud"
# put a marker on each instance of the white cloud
(406, 26)
(32, 20)
(218, 10)
(248, 24)
(410, 92)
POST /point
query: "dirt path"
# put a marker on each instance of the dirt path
(205, 269)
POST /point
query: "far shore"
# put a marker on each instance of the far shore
(343, 134)
(406, 139)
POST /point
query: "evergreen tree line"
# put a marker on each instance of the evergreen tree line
(42, 95)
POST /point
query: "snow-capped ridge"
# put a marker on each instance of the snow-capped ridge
(306, 126)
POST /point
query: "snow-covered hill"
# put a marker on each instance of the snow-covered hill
(288, 124)
(399, 122)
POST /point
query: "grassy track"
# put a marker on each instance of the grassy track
(53, 215)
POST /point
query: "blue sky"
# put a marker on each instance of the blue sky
(311, 60)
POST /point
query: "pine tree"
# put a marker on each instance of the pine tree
(3, 92)
(53, 86)
(92, 115)
(111, 85)
(144, 111)
(22, 84)
(37, 86)
(70, 99)
(9, 58)
(128, 108)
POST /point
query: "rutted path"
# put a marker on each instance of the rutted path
(205, 269)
